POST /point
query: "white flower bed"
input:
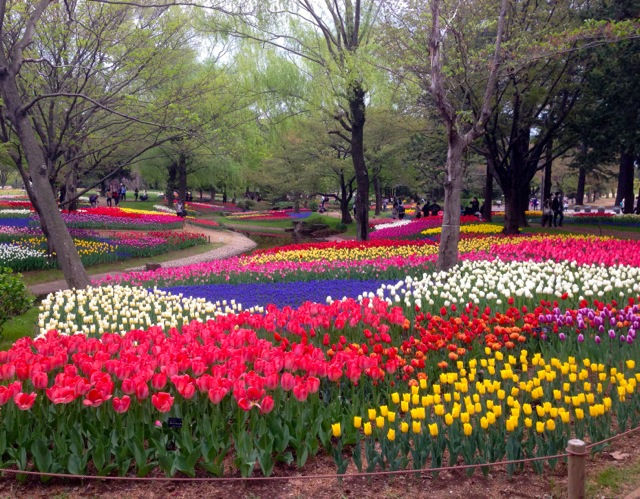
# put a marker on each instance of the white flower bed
(15, 211)
(164, 209)
(118, 309)
(397, 223)
(12, 253)
(489, 283)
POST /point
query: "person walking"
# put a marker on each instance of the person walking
(135, 193)
(116, 197)
(109, 198)
(558, 207)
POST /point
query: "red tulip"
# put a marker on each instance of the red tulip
(40, 380)
(313, 384)
(24, 401)
(121, 405)
(128, 386)
(162, 401)
(159, 381)
(7, 371)
(5, 394)
(95, 398)
(61, 394)
(267, 405)
(142, 390)
(300, 392)
(217, 394)
(287, 381)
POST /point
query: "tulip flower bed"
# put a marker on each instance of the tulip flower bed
(204, 223)
(502, 357)
(270, 215)
(216, 207)
(26, 249)
(463, 384)
(117, 218)
(475, 228)
(408, 229)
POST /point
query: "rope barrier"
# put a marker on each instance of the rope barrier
(310, 477)
(283, 478)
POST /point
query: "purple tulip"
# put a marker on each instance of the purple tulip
(598, 340)
(580, 338)
(562, 336)
(601, 329)
(612, 333)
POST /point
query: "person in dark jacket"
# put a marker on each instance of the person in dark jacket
(557, 205)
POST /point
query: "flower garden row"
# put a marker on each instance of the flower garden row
(23, 246)
(26, 249)
(528, 342)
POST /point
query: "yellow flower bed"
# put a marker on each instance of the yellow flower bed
(333, 254)
(84, 247)
(469, 229)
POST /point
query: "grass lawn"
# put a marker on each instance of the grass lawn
(40, 276)
(19, 327)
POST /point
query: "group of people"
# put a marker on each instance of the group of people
(553, 211)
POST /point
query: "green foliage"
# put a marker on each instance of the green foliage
(245, 204)
(14, 296)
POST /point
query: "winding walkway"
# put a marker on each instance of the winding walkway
(234, 244)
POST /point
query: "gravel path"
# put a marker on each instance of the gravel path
(234, 244)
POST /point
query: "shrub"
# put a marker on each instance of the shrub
(14, 296)
(313, 205)
(341, 227)
(245, 204)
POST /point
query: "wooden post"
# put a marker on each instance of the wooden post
(577, 450)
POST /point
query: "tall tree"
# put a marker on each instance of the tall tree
(77, 81)
(462, 127)
(334, 37)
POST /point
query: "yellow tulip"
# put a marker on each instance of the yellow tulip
(404, 427)
(372, 414)
(384, 410)
(391, 434)
(367, 429)
(404, 406)
(433, 430)
(579, 413)
(528, 422)
(448, 419)
(336, 430)
(391, 416)
(540, 426)
(357, 421)
(484, 423)
(395, 397)
(380, 422)
(551, 424)
(468, 429)
(416, 427)
(464, 417)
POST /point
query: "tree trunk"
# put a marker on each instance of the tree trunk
(72, 187)
(511, 208)
(171, 183)
(378, 192)
(357, 120)
(43, 198)
(625, 180)
(345, 199)
(546, 190)
(582, 180)
(448, 251)
(182, 177)
(488, 192)
(212, 193)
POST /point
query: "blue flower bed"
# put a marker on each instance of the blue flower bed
(304, 214)
(15, 222)
(281, 294)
